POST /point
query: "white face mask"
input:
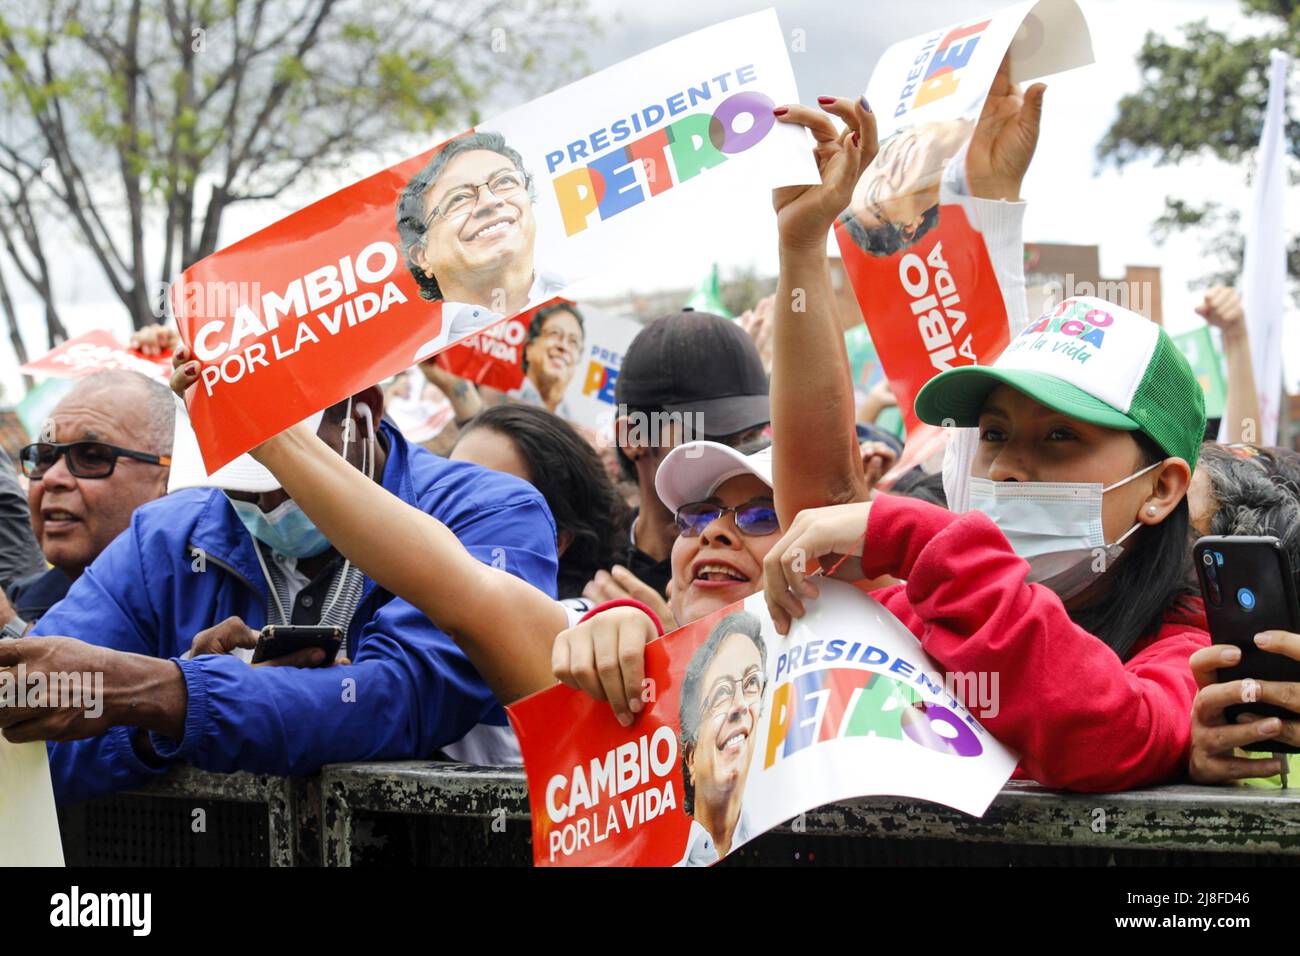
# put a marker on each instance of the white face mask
(1055, 526)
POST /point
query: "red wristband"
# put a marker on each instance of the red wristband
(625, 602)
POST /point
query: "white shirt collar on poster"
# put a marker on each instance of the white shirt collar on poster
(460, 319)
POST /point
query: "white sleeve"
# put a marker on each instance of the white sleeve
(1001, 224)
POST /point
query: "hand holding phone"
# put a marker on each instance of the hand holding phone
(1248, 587)
(278, 640)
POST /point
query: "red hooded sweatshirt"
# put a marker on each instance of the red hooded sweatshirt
(1080, 718)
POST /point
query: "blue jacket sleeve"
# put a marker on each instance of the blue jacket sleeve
(109, 605)
(408, 692)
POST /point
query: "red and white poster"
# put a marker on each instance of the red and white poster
(497, 356)
(413, 259)
(743, 729)
(97, 351)
(562, 356)
(590, 398)
(933, 283)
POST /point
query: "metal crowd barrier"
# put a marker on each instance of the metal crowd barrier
(192, 818)
(429, 813)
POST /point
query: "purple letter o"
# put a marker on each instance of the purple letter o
(721, 133)
(965, 744)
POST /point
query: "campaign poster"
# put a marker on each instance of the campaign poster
(562, 356)
(395, 268)
(743, 729)
(590, 396)
(925, 273)
(97, 351)
(495, 357)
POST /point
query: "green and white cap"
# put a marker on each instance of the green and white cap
(1093, 361)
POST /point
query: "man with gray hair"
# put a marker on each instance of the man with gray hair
(103, 452)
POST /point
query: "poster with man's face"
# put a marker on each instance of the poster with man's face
(912, 242)
(563, 356)
(488, 224)
(742, 729)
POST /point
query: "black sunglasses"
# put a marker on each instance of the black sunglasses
(756, 517)
(86, 459)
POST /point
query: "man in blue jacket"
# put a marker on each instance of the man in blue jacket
(188, 564)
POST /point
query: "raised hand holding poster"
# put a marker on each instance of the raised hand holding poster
(561, 356)
(743, 729)
(939, 286)
(399, 266)
(97, 351)
(496, 356)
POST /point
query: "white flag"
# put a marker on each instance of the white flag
(1263, 274)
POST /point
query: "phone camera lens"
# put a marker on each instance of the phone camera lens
(1246, 598)
(1207, 559)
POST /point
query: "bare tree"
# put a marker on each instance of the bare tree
(134, 125)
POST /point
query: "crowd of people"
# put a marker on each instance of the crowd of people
(522, 557)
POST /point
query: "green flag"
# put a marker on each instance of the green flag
(707, 297)
(1198, 348)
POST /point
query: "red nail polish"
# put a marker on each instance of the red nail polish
(826, 100)
(780, 111)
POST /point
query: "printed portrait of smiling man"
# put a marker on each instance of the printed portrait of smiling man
(467, 228)
(897, 200)
(722, 700)
(552, 351)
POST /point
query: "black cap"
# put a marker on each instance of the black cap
(695, 362)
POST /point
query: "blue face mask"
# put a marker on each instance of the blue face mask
(285, 529)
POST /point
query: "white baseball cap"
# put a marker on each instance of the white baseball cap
(695, 470)
(242, 474)
(1090, 360)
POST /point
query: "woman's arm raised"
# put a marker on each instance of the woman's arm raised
(503, 624)
(816, 460)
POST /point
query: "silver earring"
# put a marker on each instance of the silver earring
(1151, 510)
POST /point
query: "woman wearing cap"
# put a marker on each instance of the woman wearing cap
(1124, 622)
(722, 499)
(1101, 684)
(1072, 578)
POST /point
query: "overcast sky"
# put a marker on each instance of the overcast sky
(1070, 198)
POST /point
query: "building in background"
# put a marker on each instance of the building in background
(1056, 271)
(1053, 271)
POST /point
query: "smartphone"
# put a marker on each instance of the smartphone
(277, 640)
(1248, 587)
